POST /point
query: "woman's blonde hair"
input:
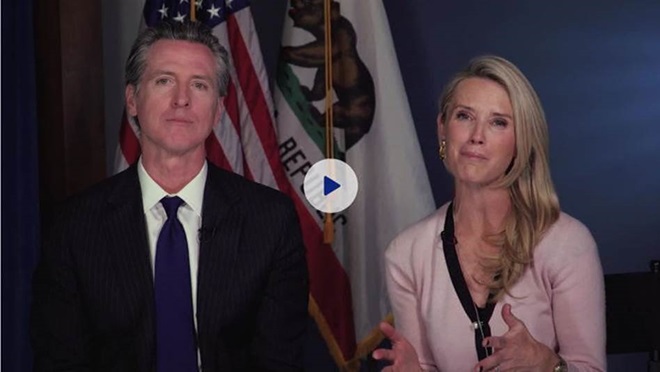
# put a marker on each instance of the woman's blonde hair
(534, 202)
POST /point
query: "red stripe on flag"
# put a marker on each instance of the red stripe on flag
(215, 154)
(128, 141)
(247, 173)
(329, 283)
(231, 105)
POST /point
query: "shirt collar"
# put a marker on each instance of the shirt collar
(192, 193)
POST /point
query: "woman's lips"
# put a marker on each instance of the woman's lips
(473, 155)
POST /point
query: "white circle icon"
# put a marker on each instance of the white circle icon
(330, 185)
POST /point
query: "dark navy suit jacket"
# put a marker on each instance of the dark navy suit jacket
(93, 303)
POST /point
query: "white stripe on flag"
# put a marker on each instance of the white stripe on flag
(227, 136)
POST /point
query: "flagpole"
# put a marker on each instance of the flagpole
(193, 15)
(328, 227)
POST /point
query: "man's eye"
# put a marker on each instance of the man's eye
(200, 86)
(162, 81)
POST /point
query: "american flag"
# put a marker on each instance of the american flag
(244, 141)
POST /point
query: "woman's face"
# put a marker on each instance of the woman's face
(479, 132)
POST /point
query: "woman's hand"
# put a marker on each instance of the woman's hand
(516, 349)
(402, 355)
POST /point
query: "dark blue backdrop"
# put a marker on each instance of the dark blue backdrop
(20, 219)
(596, 66)
(594, 63)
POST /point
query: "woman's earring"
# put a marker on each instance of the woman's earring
(443, 150)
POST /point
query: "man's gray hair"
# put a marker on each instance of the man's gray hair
(195, 32)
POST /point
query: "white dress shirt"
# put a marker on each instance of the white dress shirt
(189, 214)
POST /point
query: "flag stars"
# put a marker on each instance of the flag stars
(179, 17)
(198, 4)
(229, 2)
(163, 11)
(183, 1)
(213, 11)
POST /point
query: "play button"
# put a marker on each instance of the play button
(330, 186)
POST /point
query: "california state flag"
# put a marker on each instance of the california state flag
(374, 133)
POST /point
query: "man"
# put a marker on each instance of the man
(173, 264)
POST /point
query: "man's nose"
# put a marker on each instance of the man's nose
(181, 97)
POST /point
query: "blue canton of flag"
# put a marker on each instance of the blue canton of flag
(244, 139)
(211, 12)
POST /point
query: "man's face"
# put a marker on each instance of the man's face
(177, 102)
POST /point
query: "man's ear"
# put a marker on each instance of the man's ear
(129, 96)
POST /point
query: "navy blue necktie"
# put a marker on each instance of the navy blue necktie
(176, 349)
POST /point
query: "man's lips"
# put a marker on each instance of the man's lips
(179, 120)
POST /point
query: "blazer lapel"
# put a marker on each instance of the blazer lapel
(219, 242)
(128, 240)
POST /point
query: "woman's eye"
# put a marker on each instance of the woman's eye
(462, 115)
(500, 123)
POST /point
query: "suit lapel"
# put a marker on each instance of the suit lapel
(130, 255)
(219, 244)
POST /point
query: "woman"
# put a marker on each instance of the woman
(499, 278)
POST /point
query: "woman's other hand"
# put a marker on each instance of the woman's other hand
(402, 355)
(516, 349)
